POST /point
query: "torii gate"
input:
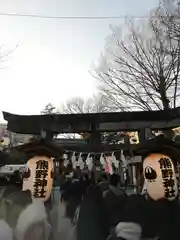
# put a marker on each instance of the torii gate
(93, 123)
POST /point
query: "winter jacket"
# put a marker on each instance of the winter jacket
(114, 203)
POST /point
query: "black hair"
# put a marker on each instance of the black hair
(104, 176)
(114, 180)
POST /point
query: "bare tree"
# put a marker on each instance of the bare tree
(169, 14)
(140, 71)
(92, 105)
(49, 109)
(95, 104)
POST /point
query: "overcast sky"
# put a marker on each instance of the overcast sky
(53, 56)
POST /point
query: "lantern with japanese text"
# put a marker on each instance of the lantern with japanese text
(40, 180)
(160, 178)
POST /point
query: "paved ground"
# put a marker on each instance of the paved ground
(61, 226)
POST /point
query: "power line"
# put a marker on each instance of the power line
(69, 17)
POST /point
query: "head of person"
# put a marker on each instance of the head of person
(114, 180)
(86, 177)
(103, 177)
(93, 195)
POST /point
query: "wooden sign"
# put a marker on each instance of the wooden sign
(160, 177)
(40, 180)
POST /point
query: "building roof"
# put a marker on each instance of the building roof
(41, 148)
(158, 144)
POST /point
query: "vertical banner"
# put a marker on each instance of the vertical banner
(134, 178)
(108, 168)
(40, 180)
(124, 165)
(102, 161)
(89, 162)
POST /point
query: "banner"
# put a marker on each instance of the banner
(108, 168)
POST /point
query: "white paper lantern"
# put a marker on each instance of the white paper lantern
(40, 181)
(160, 178)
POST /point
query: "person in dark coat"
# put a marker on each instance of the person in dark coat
(114, 199)
(157, 219)
(92, 220)
(103, 183)
(158, 211)
(72, 197)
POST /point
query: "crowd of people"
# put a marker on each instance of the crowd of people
(102, 210)
(22, 217)
(99, 209)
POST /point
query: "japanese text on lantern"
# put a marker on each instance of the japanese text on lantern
(167, 176)
(40, 179)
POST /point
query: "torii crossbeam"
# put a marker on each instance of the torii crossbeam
(88, 123)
